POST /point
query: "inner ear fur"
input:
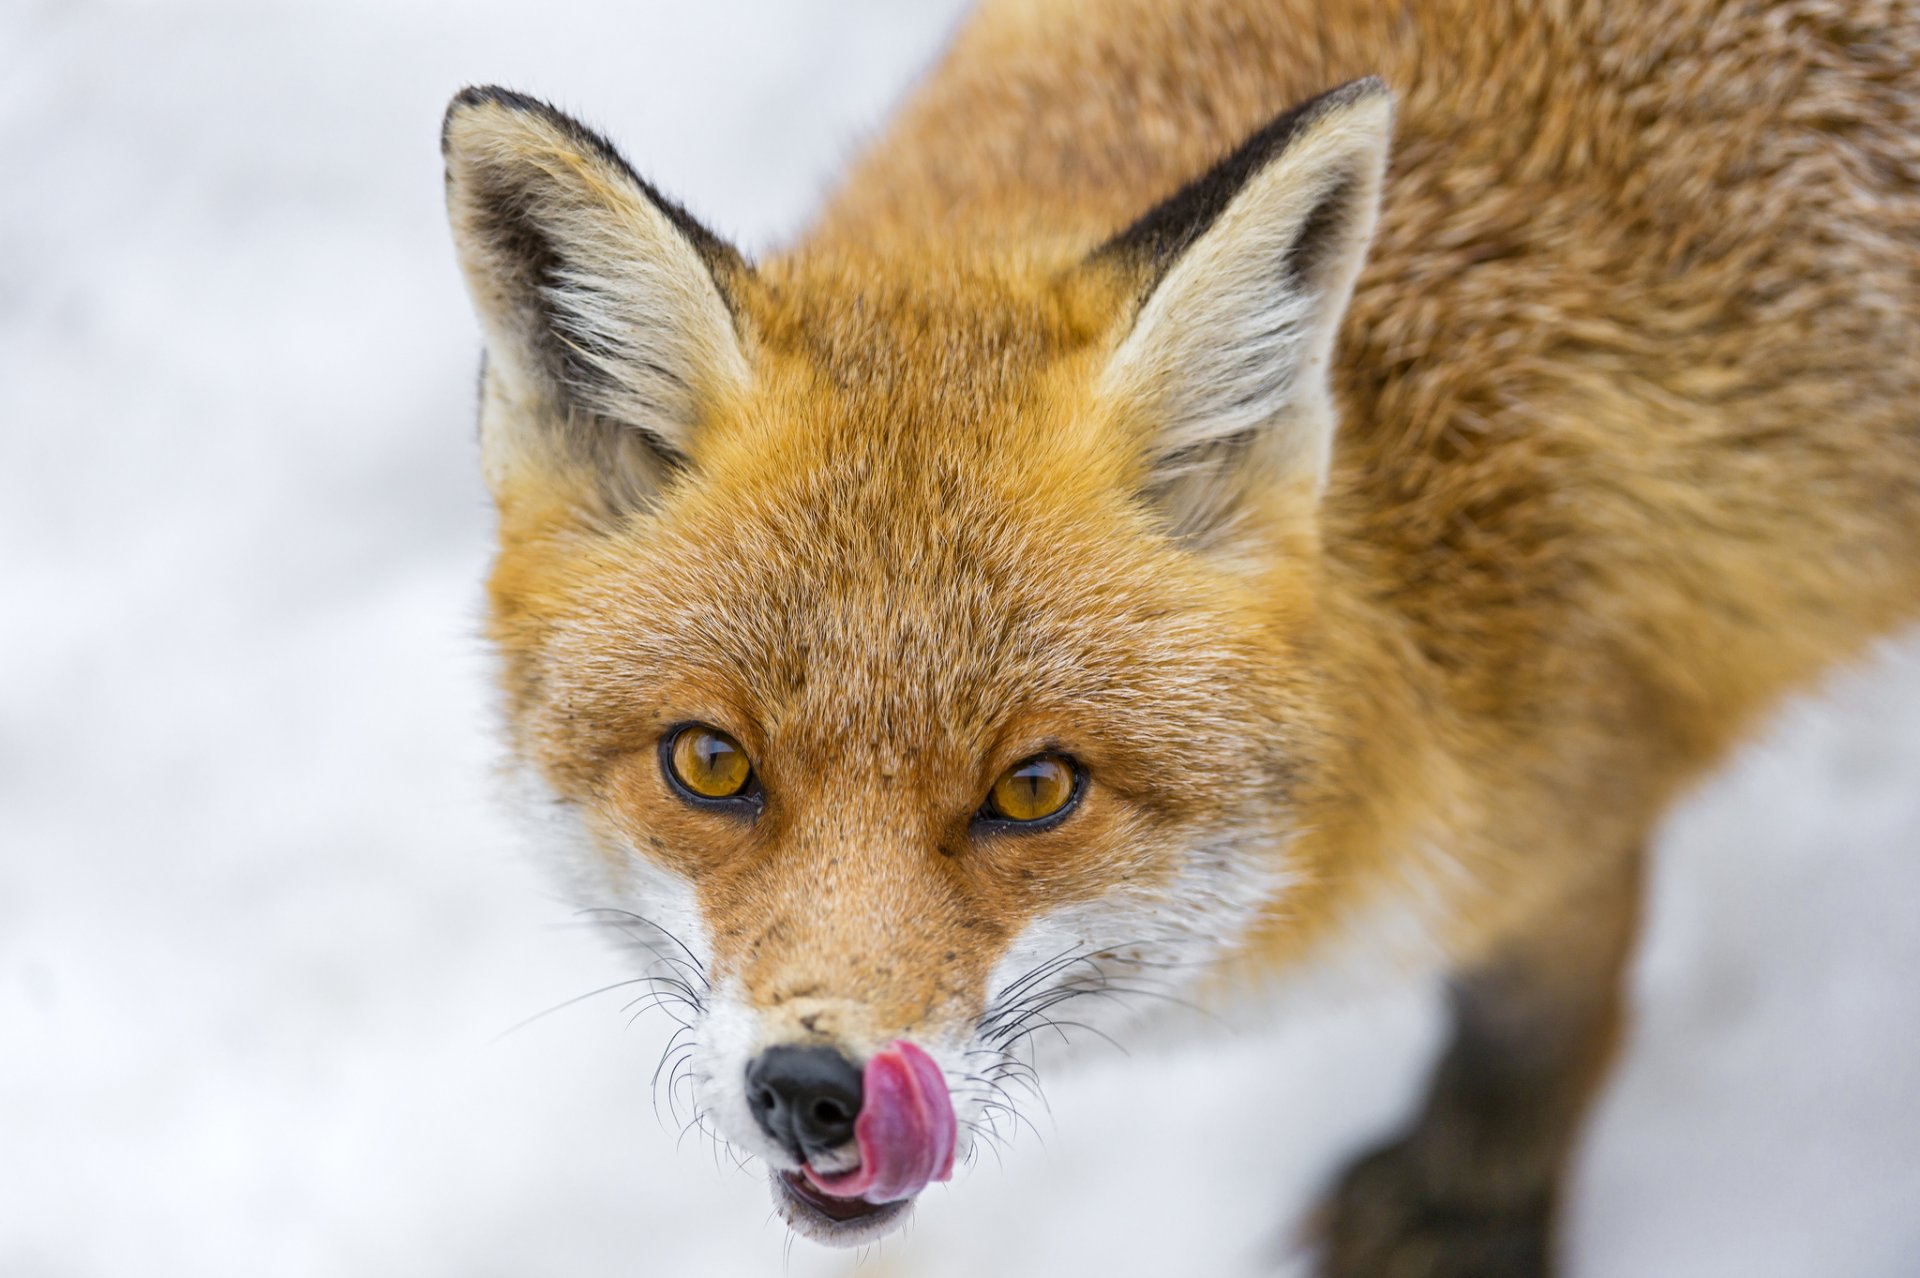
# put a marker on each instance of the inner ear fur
(1239, 282)
(608, 311)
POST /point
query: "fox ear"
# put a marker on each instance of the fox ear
(606, 308)
(1242, 279)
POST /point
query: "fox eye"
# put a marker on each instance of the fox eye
(705, 763)
(1033, 790)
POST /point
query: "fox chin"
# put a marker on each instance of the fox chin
(1214, 472)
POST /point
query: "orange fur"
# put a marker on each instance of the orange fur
(1628, 445)
(1627, 450)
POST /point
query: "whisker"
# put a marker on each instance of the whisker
(578, 998)
(1061, 1027)
(659, 997)
(678, 1059)
(656, 1003)
(1047, 967)
(698, 966)
(667, 1050)
(658, 956)
(682, 1071)
(1018, 1118)
(629, 939)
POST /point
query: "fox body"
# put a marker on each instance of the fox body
(1377, 454)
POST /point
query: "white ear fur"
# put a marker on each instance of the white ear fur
(606, 326)
(1226, 364)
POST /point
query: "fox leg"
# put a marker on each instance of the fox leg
(1474, 1186)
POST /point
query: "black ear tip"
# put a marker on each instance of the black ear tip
(1166, 230)
(479, 96)
(1366, 86)
(493, 97)
(1352, 93)
(474, 97)
(1369, 88)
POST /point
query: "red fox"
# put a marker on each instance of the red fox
(1218, 470)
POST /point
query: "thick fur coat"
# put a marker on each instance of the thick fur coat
(1390, 502)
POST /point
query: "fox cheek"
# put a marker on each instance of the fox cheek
(1126, 952)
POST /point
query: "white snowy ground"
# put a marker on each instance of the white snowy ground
(260, 926)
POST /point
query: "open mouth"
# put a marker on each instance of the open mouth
(825, 1218)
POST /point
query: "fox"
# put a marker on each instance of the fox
(1215, 476)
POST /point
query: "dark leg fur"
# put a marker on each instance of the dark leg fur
(1472, 1190)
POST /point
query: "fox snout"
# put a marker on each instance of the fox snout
(881, 1134)
(866, 1139)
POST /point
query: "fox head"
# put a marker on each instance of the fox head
(911, 637)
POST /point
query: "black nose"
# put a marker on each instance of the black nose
(804, 1097)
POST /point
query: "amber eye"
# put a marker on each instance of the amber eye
(707, 763)
(1033, 789)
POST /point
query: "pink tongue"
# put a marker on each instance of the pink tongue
(906, 1129)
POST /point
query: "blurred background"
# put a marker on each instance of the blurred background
(262, 923)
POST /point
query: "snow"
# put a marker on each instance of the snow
(262, 924)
